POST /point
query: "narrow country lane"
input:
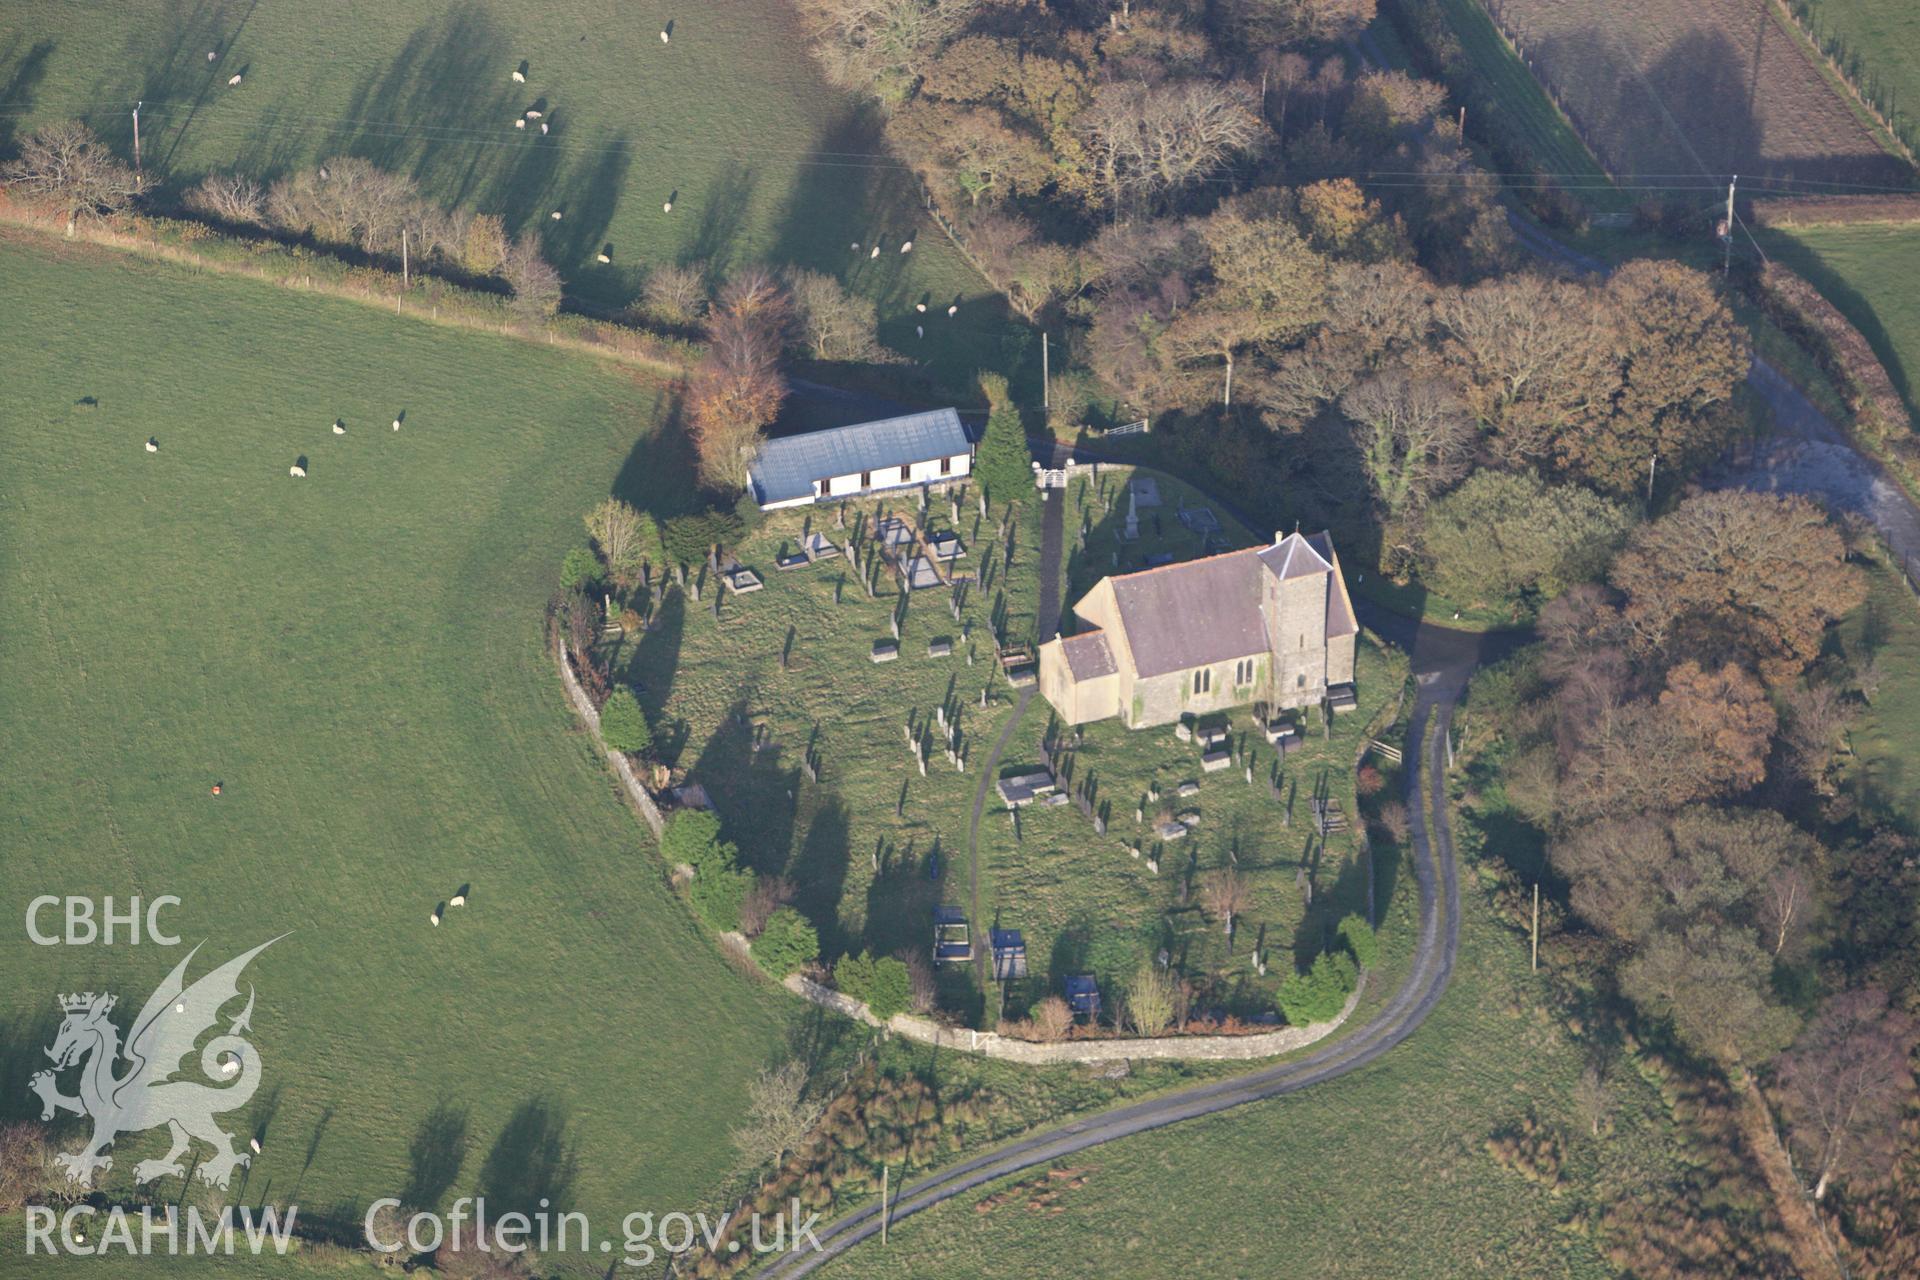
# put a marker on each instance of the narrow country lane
(1442, 660)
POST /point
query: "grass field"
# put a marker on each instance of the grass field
(1668, 92)
(358, 658)
(1554, 144)
(873, 846)
(1885, 36)
(1886, 738)
(1381, 1174)
(1862, 270)
(763, 161)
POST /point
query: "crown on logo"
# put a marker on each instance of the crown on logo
(82, 1003)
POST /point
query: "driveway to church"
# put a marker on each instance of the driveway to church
(1443, 659)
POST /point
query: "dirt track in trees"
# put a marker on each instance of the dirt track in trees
(1669, 89)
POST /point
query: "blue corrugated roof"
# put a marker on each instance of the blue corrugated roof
(787, 467)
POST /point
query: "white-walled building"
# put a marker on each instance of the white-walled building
(893, 453)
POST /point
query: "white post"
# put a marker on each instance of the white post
(136, 141)
(1726, 262)
(1046, 375)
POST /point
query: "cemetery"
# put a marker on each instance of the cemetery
(839, 712)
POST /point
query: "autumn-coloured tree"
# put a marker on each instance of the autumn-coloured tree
(1734, 575)
(1726, 716)
(1145, 141)
(1675, 353)
(1844, 1084)
(736, 389)
(1714, 983)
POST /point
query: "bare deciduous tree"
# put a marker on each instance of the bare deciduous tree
(833, 323)
(1051, 1019)
(1145, 141)
(535, 284)
(737, 388)
(768, 895)
(1844, 1084)
(779, 1113)
(1226, 893)
(922, 990)
(230, 197)
(883, 46)
(1414, 437)
(65, 167)
(623, 536)
(1592, 1098)
(676, 294)
(27, 1172)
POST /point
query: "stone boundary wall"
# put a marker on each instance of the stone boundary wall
(582, 704)
(991, 1044)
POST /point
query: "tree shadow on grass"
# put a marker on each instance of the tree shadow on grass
(531, 1162)
(721, 218)
(655, 475)
(434, 1158)
(819, 869)
(900, 902)
(753, 789)
(23, 74)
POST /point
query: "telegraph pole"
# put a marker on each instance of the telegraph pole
(136, 141)
(1650, 465)
(1046, 376)
(1726, 261)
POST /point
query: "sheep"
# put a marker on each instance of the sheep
(457, 900)
(396, 424)
(953, 311)
(602, 257)
(920, 306)
(556, 215)
(874, 254)
(439, 910)
(906, 246)
(325, 173)
(212, 54)
(532, 114)
(339, 426)
(297, 471)
(665, 38)
(229, 1063)
(153, 444)
(254, 1143)
(233, 80)
(543, 128)
(520, 123)
(518, 78)
(919, 331)
(854, 247)
(667, 207)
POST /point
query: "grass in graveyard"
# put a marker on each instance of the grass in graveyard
(864, 843)
(359, 658)
(713, 687)
(764, 161)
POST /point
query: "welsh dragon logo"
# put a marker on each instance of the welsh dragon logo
(147, 1095)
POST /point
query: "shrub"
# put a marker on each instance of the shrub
(719, 888)
(1369, 781)
(787, 944)
(623, 725)
(1360, 939)
(881, 981)
(1318, 994)
(580, 568)
(690, 837)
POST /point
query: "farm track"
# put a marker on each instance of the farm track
(1443, 659)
